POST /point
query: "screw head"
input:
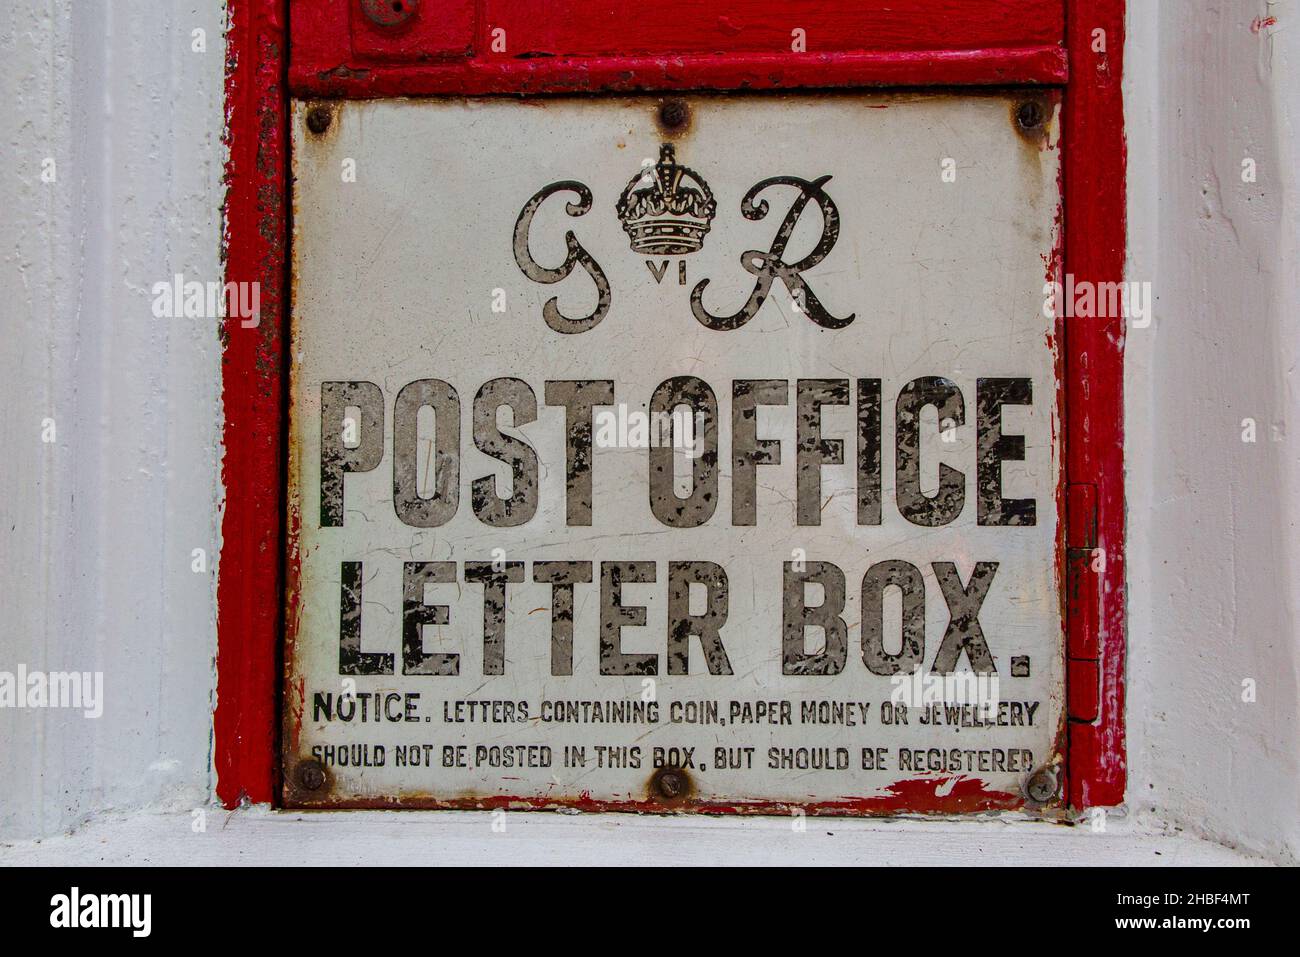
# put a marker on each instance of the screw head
(311, 776)
(389, 13)
(319, 119)
(671, 783)
(673, 114)
(1041, 786)
(1029, 115)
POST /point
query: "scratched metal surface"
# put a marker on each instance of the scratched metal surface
(394, 279)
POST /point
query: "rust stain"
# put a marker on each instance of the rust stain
(307, 780)
(343, 72)
(670, 785)
(319, 120)
(673, 117)
(1031, 118)
(942, 794)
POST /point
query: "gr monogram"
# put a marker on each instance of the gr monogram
(667, 210)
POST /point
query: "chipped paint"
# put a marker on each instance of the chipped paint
(391, 379)
(239, 753)
(249, 587)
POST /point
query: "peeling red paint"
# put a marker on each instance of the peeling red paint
(249, 584)
(960, 795)
(749, 71)
(1095, 156)
(1057, 342)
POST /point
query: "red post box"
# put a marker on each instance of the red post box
(870, 255)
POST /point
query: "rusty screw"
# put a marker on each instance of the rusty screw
(673, 114)
(671, 783)
(311, 776)
(1029, 115)
(1041, 786)
(389, 13)
(318, 119)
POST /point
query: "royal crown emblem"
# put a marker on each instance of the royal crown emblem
(666, 209)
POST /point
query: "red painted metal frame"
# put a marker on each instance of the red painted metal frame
(1095, 163)
(612, 45)
(605, 45)
(249, 585)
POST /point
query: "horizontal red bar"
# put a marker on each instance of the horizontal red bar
(633, 27)
(747, 71)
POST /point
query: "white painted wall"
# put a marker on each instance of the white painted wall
(1213, 585)
(98, 527)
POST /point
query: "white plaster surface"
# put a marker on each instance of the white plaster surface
(97, 528)
(1213, 586)
(334, 839)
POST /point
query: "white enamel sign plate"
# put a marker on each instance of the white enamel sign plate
(712, 467)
